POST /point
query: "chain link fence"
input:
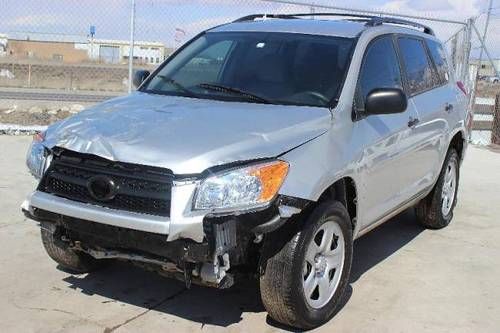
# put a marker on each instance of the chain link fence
(487, 85)
(86, 47)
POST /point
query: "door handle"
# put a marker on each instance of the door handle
(448, 107)
(412, 122)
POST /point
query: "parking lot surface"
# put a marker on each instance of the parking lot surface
(404, 278)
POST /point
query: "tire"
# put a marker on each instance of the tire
(70, 260)
(431, 211)
(285, 269)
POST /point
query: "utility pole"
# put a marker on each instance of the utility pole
(480, 62)
(485, 33)
(131, 47)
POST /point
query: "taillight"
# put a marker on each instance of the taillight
(39, 137)
(461, 86)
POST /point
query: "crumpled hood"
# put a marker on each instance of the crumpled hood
(186, 135)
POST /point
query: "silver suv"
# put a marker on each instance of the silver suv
(266, 145)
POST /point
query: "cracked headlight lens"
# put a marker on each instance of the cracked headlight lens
(243, 188)
(37, 156)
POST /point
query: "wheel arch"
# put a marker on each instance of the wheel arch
(458, 141)
(345, 191)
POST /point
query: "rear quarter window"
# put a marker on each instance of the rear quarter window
(440, 60)
(416, 63)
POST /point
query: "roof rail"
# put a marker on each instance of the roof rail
(377, 20)
(371, 20)
(263, 16)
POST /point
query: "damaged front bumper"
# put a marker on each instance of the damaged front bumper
(224, 242)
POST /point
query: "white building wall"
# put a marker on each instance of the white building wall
(150, 54)
(3, 45)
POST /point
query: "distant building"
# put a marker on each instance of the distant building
(77, 49)
(486, 67)
(57, 48)
(118, 51)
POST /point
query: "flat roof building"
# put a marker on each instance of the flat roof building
(78, 49)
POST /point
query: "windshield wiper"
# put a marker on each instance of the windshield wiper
(222, 88)
(177, 85)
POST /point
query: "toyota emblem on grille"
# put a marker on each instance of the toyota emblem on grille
(101, 188)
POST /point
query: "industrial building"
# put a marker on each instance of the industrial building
(73, 49)
(487, 68)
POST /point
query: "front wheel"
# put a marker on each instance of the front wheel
(303, 281)
(70, 260)
(436, 210)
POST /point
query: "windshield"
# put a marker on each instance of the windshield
(274, 68)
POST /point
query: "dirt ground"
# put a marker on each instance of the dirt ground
(40, 117)
(404, 278)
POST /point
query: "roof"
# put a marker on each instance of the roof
(339, 28)
(126, 42)
(77, 39)
(41, 37)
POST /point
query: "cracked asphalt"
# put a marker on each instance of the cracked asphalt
(404, 278)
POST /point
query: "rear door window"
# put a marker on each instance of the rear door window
(439, 57)
(418, 70)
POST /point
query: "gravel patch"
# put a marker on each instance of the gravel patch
(36, 115)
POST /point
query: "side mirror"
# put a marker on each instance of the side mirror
(386, 101)
(139, 77)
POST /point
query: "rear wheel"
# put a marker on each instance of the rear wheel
(68, 259)
(302, 282)
(436, 210)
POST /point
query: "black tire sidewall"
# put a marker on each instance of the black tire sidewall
(331, 211)
(70, 260)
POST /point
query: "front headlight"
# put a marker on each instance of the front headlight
(243, 188)
(37, 156)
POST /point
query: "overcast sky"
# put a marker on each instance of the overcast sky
(156, 20)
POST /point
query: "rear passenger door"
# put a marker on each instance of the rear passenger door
(430, 95)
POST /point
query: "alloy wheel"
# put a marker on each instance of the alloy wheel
(323, 265)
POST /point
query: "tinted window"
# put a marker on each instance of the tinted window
(282, 68)
(439, 57)
(380, 68)
(418, 69)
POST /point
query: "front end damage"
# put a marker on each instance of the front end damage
(148, 215)
(142, 178)
(230, 246)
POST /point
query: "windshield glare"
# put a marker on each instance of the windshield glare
(278, 68)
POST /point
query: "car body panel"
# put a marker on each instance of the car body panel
(187, 135)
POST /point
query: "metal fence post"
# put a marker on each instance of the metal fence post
(454, 60)
(131, 47)
(495, 130)
(29, 75)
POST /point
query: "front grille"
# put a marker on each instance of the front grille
(139, 188)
